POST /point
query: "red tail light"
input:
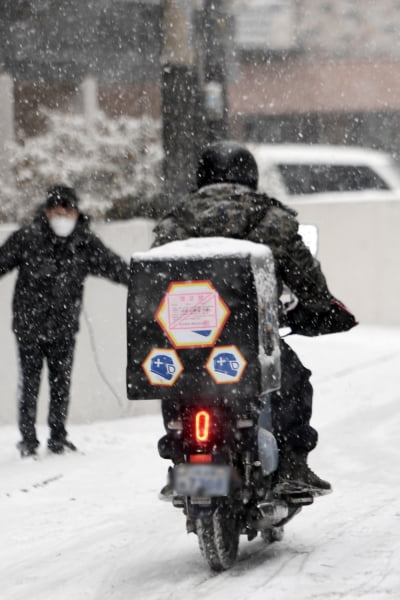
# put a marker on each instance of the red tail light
(200, 458)
(202, 426)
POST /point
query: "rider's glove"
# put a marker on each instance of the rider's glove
(311, 322)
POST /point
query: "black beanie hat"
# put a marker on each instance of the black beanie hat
(61, 195)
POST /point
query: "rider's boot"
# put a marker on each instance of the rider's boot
(294, 475)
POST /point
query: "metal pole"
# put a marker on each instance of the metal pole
(180, 100)
(215, 31)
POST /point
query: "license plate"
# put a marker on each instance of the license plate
(202, 480)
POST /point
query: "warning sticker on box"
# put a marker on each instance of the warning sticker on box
(192, 310)
(192, 314)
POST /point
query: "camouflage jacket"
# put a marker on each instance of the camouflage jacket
(230, 210)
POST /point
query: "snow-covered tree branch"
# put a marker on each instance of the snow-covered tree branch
(114, 164)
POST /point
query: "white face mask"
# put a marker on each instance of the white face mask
(63, 226)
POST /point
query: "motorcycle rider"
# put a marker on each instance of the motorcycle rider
(227, 203)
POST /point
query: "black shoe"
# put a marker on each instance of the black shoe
(295, 476)
(27, 448)
(58, 446)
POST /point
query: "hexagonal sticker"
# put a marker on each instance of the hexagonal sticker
(192, 314)
(162, 366)
(226, 364)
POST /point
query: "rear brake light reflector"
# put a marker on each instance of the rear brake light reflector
(200, 458)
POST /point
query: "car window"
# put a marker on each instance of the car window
(311, 179)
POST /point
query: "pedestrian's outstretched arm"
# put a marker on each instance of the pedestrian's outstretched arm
(10, 253)
(106, 263)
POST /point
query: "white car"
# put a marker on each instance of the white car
(305, 173)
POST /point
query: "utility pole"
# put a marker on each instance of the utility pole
(180, 99)
(214, 26)
(194, 90)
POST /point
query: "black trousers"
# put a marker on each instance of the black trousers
(59, 357)
(291, 405)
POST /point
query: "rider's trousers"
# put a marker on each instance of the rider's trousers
(291, 405)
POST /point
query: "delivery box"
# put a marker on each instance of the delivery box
(202, 321)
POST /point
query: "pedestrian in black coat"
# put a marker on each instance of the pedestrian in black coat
(54, 255)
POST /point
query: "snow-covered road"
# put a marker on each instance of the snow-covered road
(89, 525)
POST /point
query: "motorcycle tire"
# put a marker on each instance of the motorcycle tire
(218, 537)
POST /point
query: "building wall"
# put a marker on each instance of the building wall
(341, 64)
(359, 250)
(112, 40)
(327, 60)
(49, 47)
(293, 85)
(354, 29)
(32, 99)
(349, 28)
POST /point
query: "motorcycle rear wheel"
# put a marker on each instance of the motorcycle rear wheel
(218, 537)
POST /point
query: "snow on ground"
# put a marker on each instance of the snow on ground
(89, 525)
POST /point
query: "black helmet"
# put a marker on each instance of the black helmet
(61, 195)
(227, 162)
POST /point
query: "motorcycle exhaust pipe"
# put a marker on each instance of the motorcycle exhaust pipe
(272, 513)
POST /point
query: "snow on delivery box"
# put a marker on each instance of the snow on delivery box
(202, 321)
